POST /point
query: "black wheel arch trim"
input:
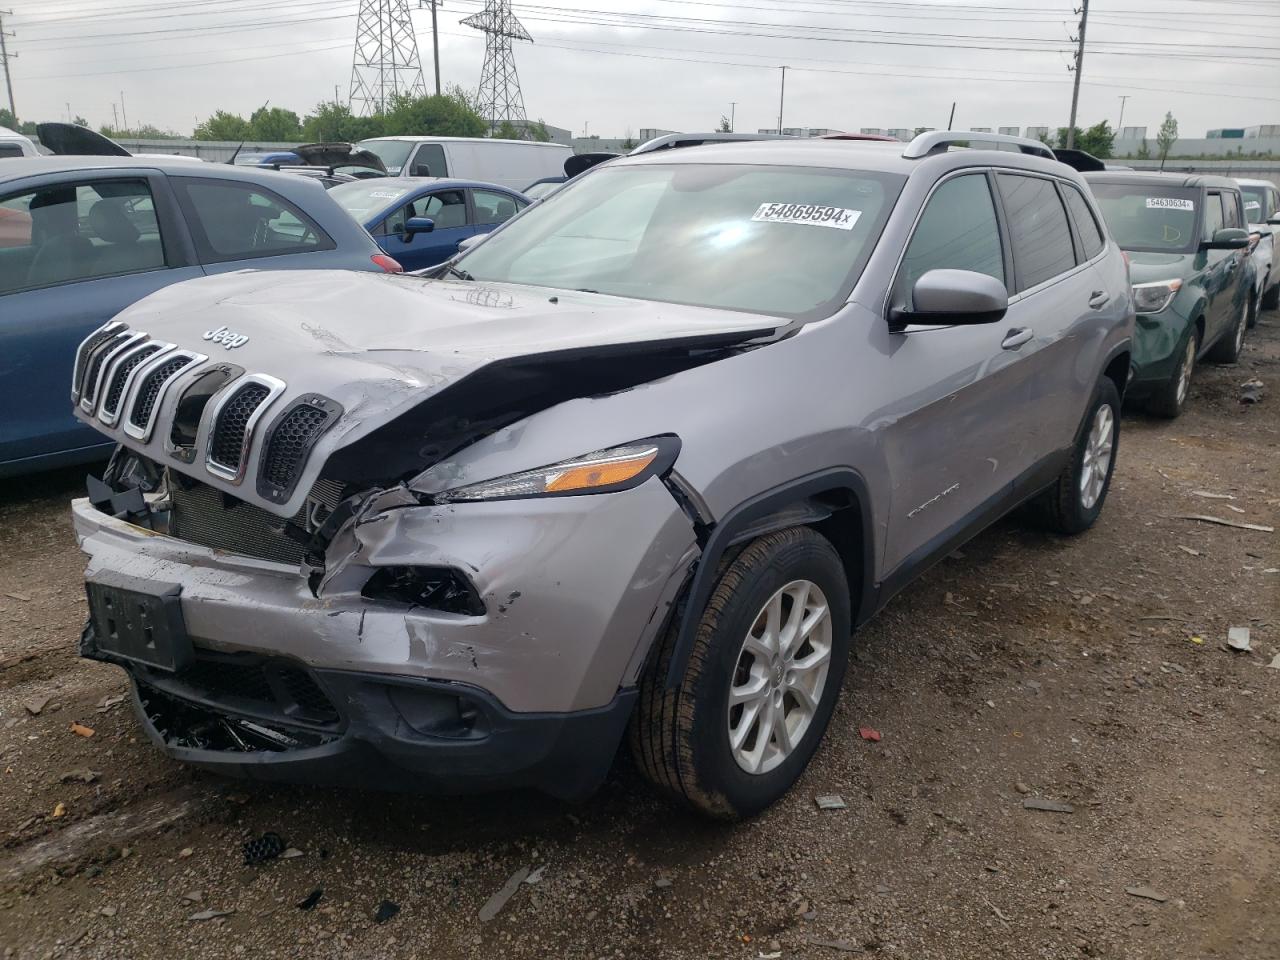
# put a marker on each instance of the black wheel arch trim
(746, 518)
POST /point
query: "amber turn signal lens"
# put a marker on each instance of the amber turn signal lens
(590, 475)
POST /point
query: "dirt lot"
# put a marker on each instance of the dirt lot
(1092, 671)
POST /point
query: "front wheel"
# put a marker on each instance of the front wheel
(1075, 500)
(1169, 400)
(761, 682)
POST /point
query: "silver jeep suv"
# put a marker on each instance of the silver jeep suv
(636, 467)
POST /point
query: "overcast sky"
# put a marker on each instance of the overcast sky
(616, 66)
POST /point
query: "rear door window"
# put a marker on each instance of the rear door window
(493, 207)
(77, 231)
(1038, 231)
(958, 230)
(237, 221)
(1086, 225)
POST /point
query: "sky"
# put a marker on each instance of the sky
(613, 67)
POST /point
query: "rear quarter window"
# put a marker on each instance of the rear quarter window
(1086, 226)
(1038, 231)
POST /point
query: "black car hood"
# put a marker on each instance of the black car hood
(339, 155)
(73, 140)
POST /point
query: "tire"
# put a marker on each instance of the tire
(1066, 507)
(1270, 301)
(1169, 400)
(1229, 345)
(680, 738)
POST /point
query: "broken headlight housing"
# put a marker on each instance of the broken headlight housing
(605, 471)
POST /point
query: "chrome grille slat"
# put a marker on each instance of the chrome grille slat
(87, 346)
(99, 358)
(120, 377)
(235, 415)
(153, 382)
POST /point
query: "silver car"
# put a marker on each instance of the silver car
(1262, 210)
(637, 467)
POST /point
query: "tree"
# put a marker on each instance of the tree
(223, 126)
(1098, 140)
(447, 115)
(80, 121)
(144, 132)
(1144, 151)
(538, 131)
(725, 126)
(7, 119)
(506, 131)
(274, 123)
(1167, 136)
(335, 122)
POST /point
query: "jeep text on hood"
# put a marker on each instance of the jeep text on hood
(252, 382)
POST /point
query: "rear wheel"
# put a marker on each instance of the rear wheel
(1075, 500)
(1170, 398)
(1228, 347)
(761, 682)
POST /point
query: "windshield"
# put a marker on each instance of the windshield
(788, 241)
(1255, 204)
(1150, 218)
(392, 153)
(363, 198)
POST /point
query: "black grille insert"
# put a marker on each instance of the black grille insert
(152, 384)
(116, 387)
(273, 682)
(289, 440)
(227, 448)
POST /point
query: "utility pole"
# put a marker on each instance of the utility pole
(4, 60)
(115, 118)
(733, 113)
(952, 118)
(1079, 69)
(124, 114)
(1120, 122)
(782, 98)
(435, 40)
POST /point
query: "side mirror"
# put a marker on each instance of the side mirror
(420, 170)
(949, 297)
(1228, 238)
(467, 243)
(416, 225)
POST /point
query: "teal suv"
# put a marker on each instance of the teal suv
(1193, 281)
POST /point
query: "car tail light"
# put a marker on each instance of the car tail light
(389, 264)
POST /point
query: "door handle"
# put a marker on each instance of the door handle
(1016, 338)
(1098, 299)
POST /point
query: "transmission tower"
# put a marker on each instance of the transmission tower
(500, 97)
(386, 56)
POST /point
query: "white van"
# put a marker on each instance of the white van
(511, 163)
(14, 144)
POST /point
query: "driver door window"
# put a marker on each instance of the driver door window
(958, 230)
(1213, 219)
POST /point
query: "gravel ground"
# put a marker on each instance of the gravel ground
(1091, 671)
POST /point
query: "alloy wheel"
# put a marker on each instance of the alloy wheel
(1096, 463)
(1184, 374)
(779, 677)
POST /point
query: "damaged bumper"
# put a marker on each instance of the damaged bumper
(533, 688)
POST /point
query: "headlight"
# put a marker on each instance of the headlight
(1154, 297)
(618, 468)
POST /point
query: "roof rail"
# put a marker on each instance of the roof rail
(938, 141)
(671, 140)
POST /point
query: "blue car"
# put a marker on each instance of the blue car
(83, 237)
(421, 220)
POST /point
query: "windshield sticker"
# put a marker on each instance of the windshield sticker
(809, 213)
(385, 194)
(1169, 203)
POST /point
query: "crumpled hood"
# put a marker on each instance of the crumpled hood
(372, 347)
(1151, 267)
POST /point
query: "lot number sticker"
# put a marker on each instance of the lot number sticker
(1169, 203)
(808, 213)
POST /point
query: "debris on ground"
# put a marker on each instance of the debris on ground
(1252, 391)
(84, 775)
(80, 730)
(1238, 639)
(1050, 806)
(1197, 640)
(1021, 787)
(312, 899)
(35, 706)
(1205, 518)
(1194, 553)
(867, 733)
(844, 946)
(266, 847)
(185, 852)
(386, 910)
(210, 915)
(108, 911)
(536, 875)
(1208, 495)
(499, 900)
(106, 703)
(663, 883)
(291, 854)
(59, 810)
(193, 896)
(1146, 893)
(1275, 663)
(831, 801)
(19, 596)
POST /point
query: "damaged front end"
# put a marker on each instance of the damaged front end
(334, 618)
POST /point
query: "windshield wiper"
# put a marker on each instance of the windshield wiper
(460, 273)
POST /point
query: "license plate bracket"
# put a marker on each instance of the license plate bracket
(139, 620)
